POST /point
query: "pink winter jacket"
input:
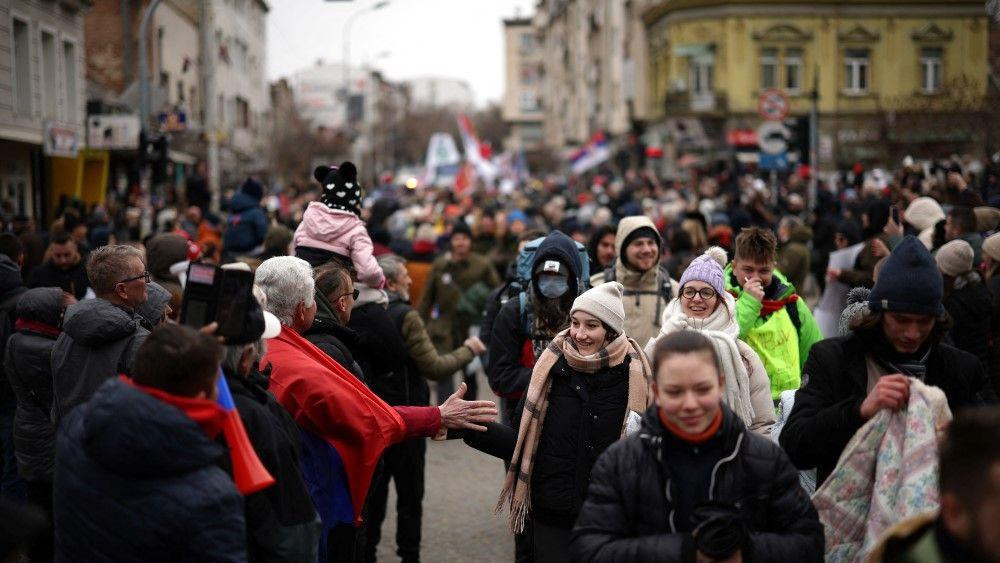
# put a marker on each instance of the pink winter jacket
(340, 232)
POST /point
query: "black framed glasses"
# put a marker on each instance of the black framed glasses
(143, 276)
(354, 294)
(706, 293)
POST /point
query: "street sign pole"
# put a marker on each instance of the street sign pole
(813, 145)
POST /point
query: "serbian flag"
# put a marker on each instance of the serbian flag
(333, 408)
(590, 155)
(249, 473)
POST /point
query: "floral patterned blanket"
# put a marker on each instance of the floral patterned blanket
(888, 472)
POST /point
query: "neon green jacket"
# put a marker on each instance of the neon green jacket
(774, 338)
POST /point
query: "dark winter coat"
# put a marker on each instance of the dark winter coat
(282, 525)
(380, 352)
(138, 480)
(98, 342)
(247, 225)
(827, 411)
(408, 386)
(74, 280)
(970, 307)
(994, 286)
(333, 338)
(629, 515)
(11, 290)
(511, 350)
(585, 416)
(28, 368)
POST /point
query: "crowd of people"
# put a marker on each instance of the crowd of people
(659, 388)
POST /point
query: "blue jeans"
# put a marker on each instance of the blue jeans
(12, 487)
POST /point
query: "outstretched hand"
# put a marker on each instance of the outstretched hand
(457, 413)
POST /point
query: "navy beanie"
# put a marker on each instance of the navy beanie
(253, 188)
(341, 189)
(909, 282)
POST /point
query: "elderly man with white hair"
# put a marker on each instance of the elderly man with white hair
(345, 426)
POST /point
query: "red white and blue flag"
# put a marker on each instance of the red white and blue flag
(590, 155)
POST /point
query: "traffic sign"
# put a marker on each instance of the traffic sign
(773, 161)
(773, 104)
(772, 136)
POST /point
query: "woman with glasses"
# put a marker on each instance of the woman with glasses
(703, 305)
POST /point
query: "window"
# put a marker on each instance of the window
(768, 68)
(793, 70)
(527, 43)
(69, 67)
(49, 87)
(930, 66)
(701, 76)
(22, 67)
(242, 113)
(529, 74)
(221, 118)
(529, 101)
(856, 71)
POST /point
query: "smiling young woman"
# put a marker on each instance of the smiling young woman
(704, 305)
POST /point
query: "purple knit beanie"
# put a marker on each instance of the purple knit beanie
(708, 268)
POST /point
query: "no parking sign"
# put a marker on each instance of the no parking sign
(773, 104)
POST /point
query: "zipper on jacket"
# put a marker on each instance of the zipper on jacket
(715, 470)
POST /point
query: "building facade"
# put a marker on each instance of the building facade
(892, 77)
(593, 60)
(41, 102)
(522, 100)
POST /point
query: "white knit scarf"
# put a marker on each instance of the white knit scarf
(722, 330)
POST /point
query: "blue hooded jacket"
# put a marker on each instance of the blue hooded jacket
(247, 224)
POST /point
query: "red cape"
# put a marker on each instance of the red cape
(327, 400)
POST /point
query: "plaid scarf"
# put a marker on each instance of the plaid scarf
(515, 495)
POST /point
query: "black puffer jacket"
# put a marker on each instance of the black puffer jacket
(629, 515)
(508, 369)
(282, 525)
(98, 342)
(138, 480)
(584, 417)
(39, 313)
(970, 307)
(827, 411)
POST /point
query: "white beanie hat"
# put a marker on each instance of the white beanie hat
(923, 213)
(605, 303)
(954, 258)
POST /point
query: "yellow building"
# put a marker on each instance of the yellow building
(893, 77)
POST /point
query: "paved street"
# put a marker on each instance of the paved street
(462, 489)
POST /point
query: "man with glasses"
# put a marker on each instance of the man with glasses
(335, 297)
(100, 336)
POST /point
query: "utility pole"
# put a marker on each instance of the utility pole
(208, 103)
(147, 19)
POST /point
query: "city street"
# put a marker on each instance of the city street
(462, 487)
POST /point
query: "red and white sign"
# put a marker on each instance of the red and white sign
(741, 138)
(773, 104)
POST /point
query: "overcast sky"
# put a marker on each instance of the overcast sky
(406, 39)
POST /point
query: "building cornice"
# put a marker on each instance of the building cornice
(679, 10)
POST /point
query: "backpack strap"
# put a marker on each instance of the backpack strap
(793, 314)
